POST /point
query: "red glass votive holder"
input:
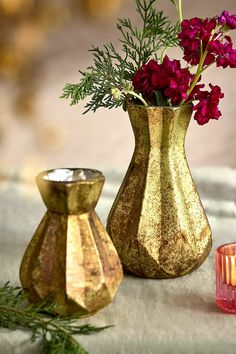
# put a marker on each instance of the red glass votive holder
(225, 265)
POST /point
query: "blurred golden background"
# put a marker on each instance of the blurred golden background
(43, 44)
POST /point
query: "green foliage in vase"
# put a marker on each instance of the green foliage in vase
(108, 81)
(56, 333)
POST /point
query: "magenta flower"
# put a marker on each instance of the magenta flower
(223, 51)
(229, 59)
(197, 88)
(207, 108)
(142, 80)
(227, 19)
(204, 42)
(178, 82)
(195, 29)
(194, 32)
(193, 57)
(168, 77)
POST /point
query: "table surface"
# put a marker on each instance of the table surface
(150, 316)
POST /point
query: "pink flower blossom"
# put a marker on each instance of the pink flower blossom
(168, 77)
(224, 53)
(195, 29)
(179, 81)
(199, 39)
(207, 108)
(194, 33)
(142, 80)
(227, 19)
(195, 91)
(229, 59)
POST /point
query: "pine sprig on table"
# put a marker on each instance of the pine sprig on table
(109, 80)
(55, 332)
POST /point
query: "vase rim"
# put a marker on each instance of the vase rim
(227, 249)
(160, 107)
(73, 175)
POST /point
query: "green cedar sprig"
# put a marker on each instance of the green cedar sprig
(108, 82)
(55, 332)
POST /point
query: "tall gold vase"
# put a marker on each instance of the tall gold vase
(157, 222)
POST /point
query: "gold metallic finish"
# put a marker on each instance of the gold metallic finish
(157, 222)
(71, 259)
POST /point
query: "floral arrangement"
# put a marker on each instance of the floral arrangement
(145, 75)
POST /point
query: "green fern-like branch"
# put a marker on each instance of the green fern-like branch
(113, 70)
(55, 332)
(78, 92)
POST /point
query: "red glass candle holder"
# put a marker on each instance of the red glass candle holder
(225, 264)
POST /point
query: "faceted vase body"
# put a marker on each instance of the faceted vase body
(157, 222)
(71, 259)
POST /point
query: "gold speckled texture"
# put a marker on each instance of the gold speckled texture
(71, 259)
(157, 222)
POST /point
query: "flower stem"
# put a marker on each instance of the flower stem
(198, 73)
(132, 93)
(206, 67)
(180, 11)
(163, 54)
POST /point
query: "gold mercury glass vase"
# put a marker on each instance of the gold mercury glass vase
(157, 222)
(71, 259)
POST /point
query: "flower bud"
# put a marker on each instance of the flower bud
(116, 93)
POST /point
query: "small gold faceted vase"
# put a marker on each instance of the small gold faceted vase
(71, 259)
(157, 222)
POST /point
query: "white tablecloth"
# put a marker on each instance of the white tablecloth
(150, 316)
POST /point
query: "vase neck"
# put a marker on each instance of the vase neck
(159, 127)
(70, 197)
